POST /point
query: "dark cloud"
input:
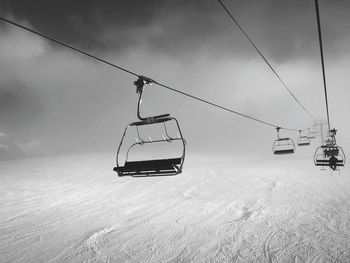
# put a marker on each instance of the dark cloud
(88, 23)
(281, 29)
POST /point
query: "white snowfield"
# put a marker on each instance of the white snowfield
(76, 209)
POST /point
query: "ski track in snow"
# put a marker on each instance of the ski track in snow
(75, 209)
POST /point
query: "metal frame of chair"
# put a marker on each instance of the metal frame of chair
(152, 167)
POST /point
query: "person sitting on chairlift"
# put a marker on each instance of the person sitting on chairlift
(333, 162)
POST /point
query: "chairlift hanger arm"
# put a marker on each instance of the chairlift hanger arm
(140, 84)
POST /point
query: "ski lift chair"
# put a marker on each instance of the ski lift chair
(150, 167)
(312, 133)
(283, 145)
(303, 140)
(330, 154)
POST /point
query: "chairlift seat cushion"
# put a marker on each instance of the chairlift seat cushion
(152, 167)
(303, 143)
(328, 164)
(284, 139)
(284, 151)
(327, 161)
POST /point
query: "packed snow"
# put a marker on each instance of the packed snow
(220, 209)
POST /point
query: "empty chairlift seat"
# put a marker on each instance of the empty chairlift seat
(283, 145)
(303, 140)
(150, 167)
(313, 133)
(146, 165)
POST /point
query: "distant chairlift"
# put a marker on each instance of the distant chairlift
(330, 154)
(303, 140)
(312, 133)
(150, 167)
(282, 145)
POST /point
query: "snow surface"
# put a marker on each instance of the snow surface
(221, 209)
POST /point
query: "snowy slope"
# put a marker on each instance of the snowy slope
(227, 209)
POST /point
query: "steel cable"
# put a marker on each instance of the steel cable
(263, 57)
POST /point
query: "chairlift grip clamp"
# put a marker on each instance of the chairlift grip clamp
(140, 83)
(333, 132)
(278, 132)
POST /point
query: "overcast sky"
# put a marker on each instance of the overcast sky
(70, 103)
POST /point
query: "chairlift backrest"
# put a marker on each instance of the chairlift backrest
(329, 151)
